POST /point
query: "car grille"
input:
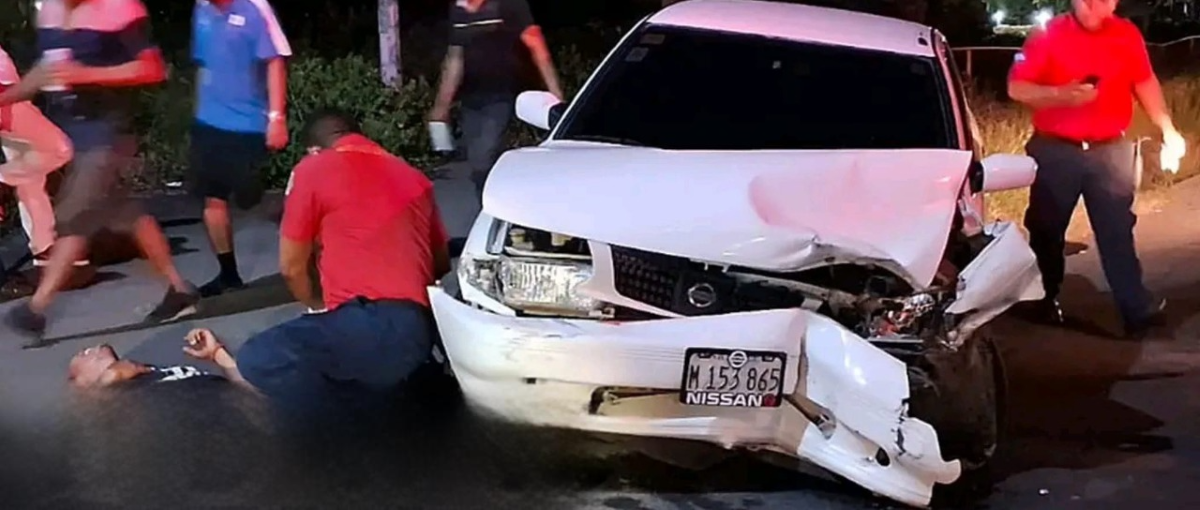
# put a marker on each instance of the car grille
(649, 278)
(668, 283)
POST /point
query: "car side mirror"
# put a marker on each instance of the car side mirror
(1000, 172)
(539, 109)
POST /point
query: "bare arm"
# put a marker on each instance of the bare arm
(299, 232)
(452, 69)
(1149, 94)
(536, 42)
(25, 89)
(1036, 96)
(277, 85)
(229, 368)
(293, 265)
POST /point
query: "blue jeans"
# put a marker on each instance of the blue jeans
(354, 356)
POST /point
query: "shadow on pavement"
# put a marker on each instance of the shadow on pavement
(1062, 414)
(107, 249)
(267, 292)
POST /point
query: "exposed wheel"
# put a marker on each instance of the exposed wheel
(963, 395)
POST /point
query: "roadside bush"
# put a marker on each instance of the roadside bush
(392, 117)
(163, 121)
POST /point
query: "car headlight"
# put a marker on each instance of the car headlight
(545, 285)
(531, 285)
(479, 273)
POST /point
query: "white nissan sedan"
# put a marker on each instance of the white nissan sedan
(759, 226)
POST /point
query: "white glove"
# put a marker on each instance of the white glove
(1174, 147)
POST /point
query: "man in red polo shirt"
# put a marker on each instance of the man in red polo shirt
(1080, 74)
(382, 242)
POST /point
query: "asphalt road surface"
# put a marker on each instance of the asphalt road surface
(1096, 422)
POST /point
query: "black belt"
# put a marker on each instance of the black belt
(403, 303)
(1082, 144)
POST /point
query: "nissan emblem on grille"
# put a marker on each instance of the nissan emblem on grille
(702, 295)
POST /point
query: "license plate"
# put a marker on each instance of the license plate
(732, 378)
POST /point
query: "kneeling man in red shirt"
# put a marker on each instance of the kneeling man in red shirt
(382, 242)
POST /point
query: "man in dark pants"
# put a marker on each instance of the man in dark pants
(382, 243)
(98, 53)
(1079, 74)
(481, 68)
(240, 52)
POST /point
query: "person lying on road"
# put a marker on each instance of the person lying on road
(100, 366)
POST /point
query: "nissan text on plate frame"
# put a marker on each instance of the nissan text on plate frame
(731, 236)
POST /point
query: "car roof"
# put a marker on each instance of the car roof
(800, 23)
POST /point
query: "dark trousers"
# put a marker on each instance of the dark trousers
(484, 122)
(1105, 176)
(224, 164)
(352, 358)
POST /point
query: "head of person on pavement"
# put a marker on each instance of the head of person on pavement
(382, 243)
(1080, 74)
(99, 366)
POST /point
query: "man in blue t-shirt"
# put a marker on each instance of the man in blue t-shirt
(96, 54)
(240, 52)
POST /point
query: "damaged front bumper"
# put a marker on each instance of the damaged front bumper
(845, 405)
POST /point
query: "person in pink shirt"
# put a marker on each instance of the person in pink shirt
(33, 148)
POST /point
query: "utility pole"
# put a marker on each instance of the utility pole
(389, 42)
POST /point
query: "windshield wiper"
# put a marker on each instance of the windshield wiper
(608, 139)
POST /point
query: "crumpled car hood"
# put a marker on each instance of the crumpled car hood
(771, 210)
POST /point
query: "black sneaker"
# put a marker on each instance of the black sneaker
(221, 285)
(26, 321)
(174, 305)
(1155, 317)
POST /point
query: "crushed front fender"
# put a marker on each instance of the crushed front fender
(846, 407)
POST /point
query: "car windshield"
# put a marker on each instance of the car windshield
(686, 89)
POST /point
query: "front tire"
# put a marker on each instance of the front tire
(963, 393)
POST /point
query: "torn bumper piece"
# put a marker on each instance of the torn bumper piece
(845, 409)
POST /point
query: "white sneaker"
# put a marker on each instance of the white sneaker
(43, 259)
